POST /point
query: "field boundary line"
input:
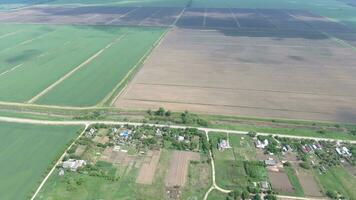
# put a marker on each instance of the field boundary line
(58, 161)
(143, 21)
(27, 41)
(12, 69)
(89, 60)
(10, 34)
(179, 16)
(139, 63)
(123, 15)
(235, 18)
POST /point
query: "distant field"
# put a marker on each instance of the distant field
(98, 56)
(26, 151)
(10, 4)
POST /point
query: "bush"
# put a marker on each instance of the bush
(332, 194)
(305, 165)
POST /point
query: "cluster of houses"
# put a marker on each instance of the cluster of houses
(308, 148)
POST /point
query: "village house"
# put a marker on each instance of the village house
(344, 151)
(224, 144)
(264, 185)
(270, 162)
(261, 145)
(73, 164)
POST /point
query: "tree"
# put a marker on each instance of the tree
(160, 112)
(168, 113)
(257, 197)
(245, 195)
(305, 165)
(332, 194)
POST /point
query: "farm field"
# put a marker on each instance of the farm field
(30, 50)
(27, 152)
(297, 66)
(94, 15)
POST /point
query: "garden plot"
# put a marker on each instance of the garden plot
(178, 170)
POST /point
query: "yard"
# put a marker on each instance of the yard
(27, 153)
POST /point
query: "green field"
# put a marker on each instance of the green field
(338, 179)
(26, 153)
(42, 54)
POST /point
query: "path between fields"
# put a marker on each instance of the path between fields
(206, 130)
(214, 186)
(75, 69)
(58, 161)
(108, 122)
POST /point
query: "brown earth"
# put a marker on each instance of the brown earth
(148, 168)
(178, 170)
(308, 182)
(280, 182)
(117, 157)
(274, 74)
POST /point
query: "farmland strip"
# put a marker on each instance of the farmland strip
(7, 71)
(75, 69)
(10, 34)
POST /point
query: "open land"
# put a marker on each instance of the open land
(56, 53)
(27, 152)
(298, 66)
(178, 170)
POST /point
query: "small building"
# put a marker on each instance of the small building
(73, 164)
(344, 151)
(261, 145)
(180, 138)
(125, 134)
(270, 162)
(224, 144)
(91, 132)
(264, 185)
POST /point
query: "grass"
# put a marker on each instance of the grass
(53, 51)
(27, 153)
(293, 179)
(229, 172)
(338, 179)
(198, 181)
(216, 195)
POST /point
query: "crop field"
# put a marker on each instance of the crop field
(26, 152)
(268, 63)
(94, 15)
(81, 79)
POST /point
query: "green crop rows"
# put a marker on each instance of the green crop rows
(26, 153)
